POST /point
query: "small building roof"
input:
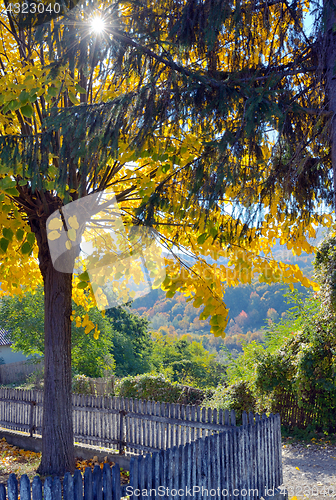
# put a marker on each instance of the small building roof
(4, 340)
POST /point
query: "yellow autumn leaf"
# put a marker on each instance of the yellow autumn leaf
(96, 334)
(90, 326)
(72, 221)
(72, 234)
(86, 320)
(53, 235)
(55, 223)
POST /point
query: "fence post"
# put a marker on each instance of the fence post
(116, 482)
(88, 487)
(97, 483)
(37, 488)
(47, 487)
(122, 444)
(25, 489)
(12, 487)
(32, 427)
(2, 492)
(68, 487)
(107, 482)
(57, 489)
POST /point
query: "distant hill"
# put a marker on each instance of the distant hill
(251, 307)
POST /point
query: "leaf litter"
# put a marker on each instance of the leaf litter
(19, 461)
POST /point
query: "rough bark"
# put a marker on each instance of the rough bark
(330, 65)
(57, 428)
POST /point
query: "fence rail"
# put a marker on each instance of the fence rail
(128, 425)
(239, 462)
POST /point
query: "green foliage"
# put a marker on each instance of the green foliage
(238, 396)
(24, 317)
(81, 385)
(158, 388)
(187, 362)
(298, 357)
(132, 344)
(325, 272)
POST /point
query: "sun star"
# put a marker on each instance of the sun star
(97, 24)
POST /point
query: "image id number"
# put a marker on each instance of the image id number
(33, 8)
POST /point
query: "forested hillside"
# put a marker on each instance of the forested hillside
(252, 307)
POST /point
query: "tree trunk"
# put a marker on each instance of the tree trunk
(57, 429)
(58, 454)
(329, 52)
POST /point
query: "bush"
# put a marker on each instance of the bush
(238, 397)
(158, 388)
(36, 379)
(81, 385)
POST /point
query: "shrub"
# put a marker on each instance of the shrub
(238, 397)
(158, 388)
(81, 385)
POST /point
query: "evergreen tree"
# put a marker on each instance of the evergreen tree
(194, 92)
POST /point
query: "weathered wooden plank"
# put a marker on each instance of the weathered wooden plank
(12, 488)
(57, 489)
(47, 489)
(77, 485)
(107, 482)
(97, 486)
(156, 471)
(88, 484)
(148, 465)
(280, 480)
(116, 482)
(36, 488)
(25, 493)
(68, 487)
(3, 492)
(170, 471)
(141, 473)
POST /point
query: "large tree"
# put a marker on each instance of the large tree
(225, 109)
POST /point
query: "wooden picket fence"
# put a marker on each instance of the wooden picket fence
(238, 462)
(124, 424)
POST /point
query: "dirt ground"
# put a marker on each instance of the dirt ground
(309, 470)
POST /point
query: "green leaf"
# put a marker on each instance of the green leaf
(7, 182)
(12, 191)
(13, 105)
(24, 97)
(4, 244)
(8, 233)
(82, 284)
(73, 98)
(52, 91)
(27, 111)
(31, 239)
(201, 239)
(26, 248)
(19, 234)
(84, 276)
(80, 89)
